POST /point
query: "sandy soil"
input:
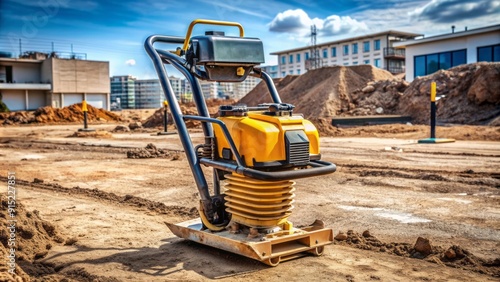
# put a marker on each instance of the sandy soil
(115, 208)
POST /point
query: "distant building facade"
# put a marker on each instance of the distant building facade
(27, 84)
(427, 55)
(123, 91)
(148, 94)
(372, 49)
(273, 71)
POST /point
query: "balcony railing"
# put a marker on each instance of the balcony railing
(395, 70)
(394, 52)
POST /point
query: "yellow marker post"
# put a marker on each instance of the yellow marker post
(165, 119)
(85, 117)
(433, 138)
(84, 106)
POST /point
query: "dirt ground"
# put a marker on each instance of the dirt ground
(111, 210)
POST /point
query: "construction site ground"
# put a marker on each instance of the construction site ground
(114, 208)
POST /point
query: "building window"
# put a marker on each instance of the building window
(376, 45)
(354, 63)
(346, 50)
(488, 53)
(307, 55)
(355, 48)
(298, 71)
(366, 62)
(376, 62)
(427, 64)
(283, 74)
(366, 46)
(298, 58)
(291, 72)
(325, 53)
(290, 59)
(283, 60)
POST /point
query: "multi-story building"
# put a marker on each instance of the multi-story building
(148, 94)
(271, 70)
(131, 93)
(427, 55)
(123, 91)
(210, 89)
(27, 84)
(373, 49)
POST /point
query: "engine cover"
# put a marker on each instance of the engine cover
(266, 141)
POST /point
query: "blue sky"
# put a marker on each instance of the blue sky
(115, 30)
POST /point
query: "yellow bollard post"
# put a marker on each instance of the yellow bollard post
(433, 138)
(165, 119)
(85, 118)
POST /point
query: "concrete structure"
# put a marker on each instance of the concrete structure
(375, 49)
(273, 71)
(123, 91)
(427, 55)
(27, 84)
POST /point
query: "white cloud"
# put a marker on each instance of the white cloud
(298, 22)
(130, 62)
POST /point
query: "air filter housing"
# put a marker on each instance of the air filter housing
(225, 58)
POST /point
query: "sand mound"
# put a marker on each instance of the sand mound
(472, 95)
(49, 114)
(34, 237)
(320, 93)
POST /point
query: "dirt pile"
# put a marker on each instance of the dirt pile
(320, 93)
(454, 256)
(377, 97)
(150, 151)
(49, 114)
(33, 238)
(156, 119)
(472, 95)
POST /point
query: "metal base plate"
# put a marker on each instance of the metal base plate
(86, 129)
(166, 133)
(270, 249)
(435, 140)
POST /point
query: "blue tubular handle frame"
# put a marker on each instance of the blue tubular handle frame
(161, 57)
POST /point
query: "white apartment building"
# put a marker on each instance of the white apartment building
(373, 49)
(237, 90)
(427, 55)
(273, 70)
(27, 84)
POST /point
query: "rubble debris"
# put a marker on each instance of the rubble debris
(454, 256)
(121, 128)
(92, 134)
(135, 125)
(150, 151)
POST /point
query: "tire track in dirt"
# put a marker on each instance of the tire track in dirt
(130, 200)
(468, 177)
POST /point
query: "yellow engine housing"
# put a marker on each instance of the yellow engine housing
(260, 138)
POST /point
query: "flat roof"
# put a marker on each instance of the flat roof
(402, 34)
(18, 60)
(22, 60)
(449, 36)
